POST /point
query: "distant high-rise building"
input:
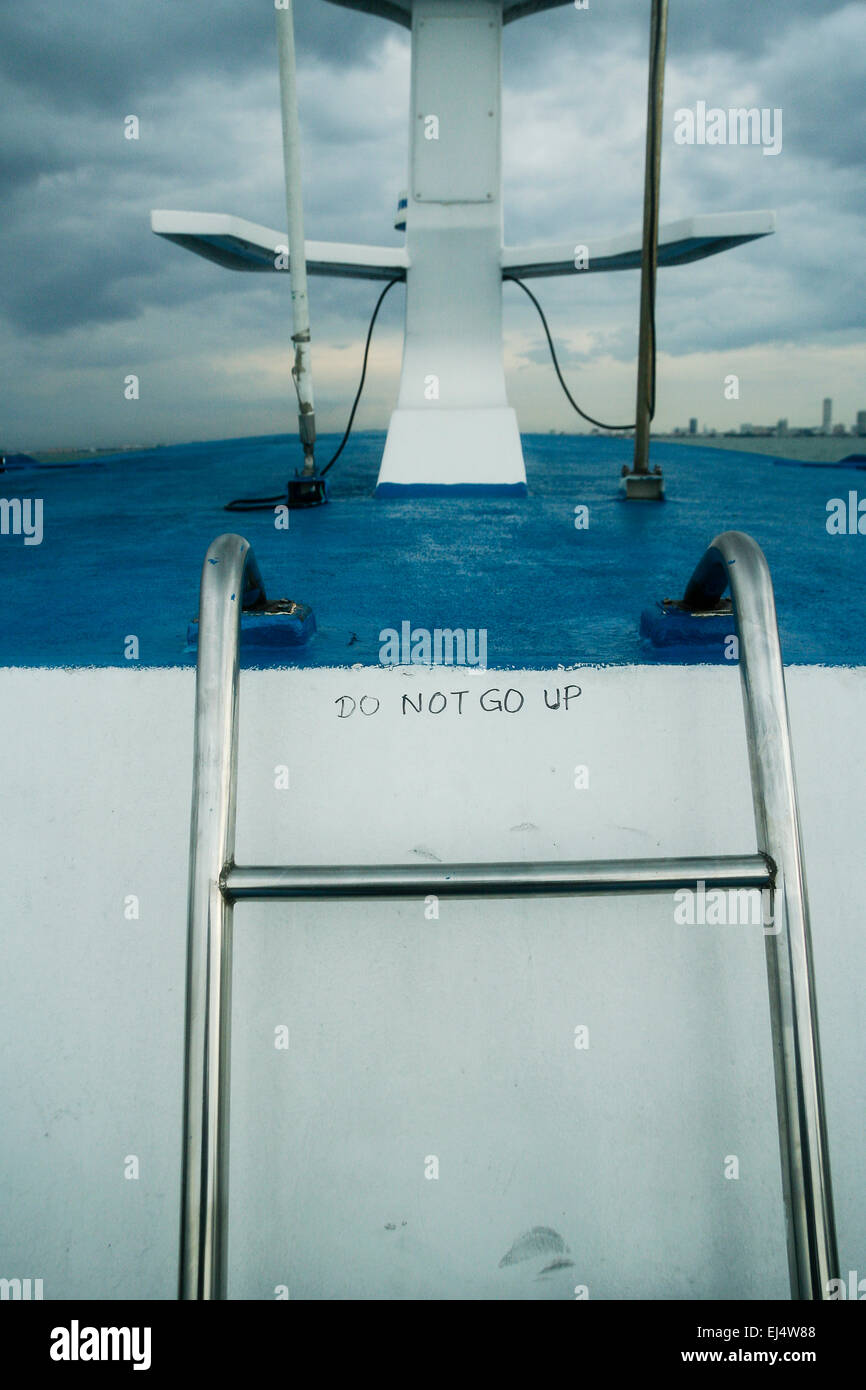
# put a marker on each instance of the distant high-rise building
(782, 428)
(745, 429)
(693, 426)
(861, 421)
(828, 415)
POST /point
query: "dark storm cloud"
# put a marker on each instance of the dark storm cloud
(748, 29)
(99, 54)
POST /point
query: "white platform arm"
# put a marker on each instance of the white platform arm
(240, 245)
(689, 239)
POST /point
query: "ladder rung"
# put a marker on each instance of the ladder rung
(503, 880)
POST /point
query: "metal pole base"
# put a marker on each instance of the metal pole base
(306, 491)
(644, 487)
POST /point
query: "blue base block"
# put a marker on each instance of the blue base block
(272, 632)
(705, 635)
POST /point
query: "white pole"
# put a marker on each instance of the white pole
(301, 368)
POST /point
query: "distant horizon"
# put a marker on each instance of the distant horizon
(678, 431)
(732, 429)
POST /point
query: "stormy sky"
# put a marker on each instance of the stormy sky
(88, 294)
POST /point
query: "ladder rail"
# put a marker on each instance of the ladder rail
(734, 559)
(231, 581)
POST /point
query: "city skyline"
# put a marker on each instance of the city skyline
(783, 429)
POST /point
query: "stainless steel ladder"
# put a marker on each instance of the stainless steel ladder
(230, 581)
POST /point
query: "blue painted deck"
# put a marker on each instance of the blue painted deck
(124, 539)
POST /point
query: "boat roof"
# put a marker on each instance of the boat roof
(125, 537)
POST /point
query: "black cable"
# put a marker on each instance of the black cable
(257, 504)
(344, 440)
(555, 360)
(652, 269)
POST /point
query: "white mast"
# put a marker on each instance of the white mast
(301, 367)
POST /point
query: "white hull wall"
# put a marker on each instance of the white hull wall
(410, 1037)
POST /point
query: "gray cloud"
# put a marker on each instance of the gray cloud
(94, 294)
(110, 53)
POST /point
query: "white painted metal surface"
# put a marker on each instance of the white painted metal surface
(237, 244)
(411, 1037)
(686, 239)
(453, 423)
(217, 883)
